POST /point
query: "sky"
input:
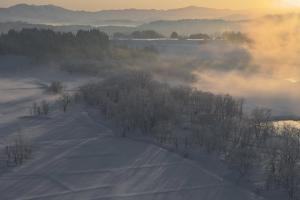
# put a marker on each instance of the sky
(158, 4)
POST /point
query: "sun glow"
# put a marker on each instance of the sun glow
(292, 80)
(290, 3)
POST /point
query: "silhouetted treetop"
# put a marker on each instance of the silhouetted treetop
(237, 37)
(174, 35)
(148, 34)
(41, 43)
(200, 36)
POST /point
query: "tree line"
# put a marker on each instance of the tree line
(90, 44)
(231, 36)
(146, 34)
(44, 43)
(186, 118)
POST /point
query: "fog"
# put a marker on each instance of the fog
(265, 73)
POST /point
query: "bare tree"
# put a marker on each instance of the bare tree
(241, 151)
(261, 124)
(41, 108)
(289, 160)
(45, 107)
(65, 100)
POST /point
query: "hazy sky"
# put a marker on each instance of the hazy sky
(159, 4)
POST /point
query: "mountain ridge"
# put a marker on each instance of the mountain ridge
(52, 14)
(150, 9)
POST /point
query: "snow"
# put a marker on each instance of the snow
(76, 157)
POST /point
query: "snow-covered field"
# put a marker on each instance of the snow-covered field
(75, 157)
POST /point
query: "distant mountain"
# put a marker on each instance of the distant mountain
(49, 14)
